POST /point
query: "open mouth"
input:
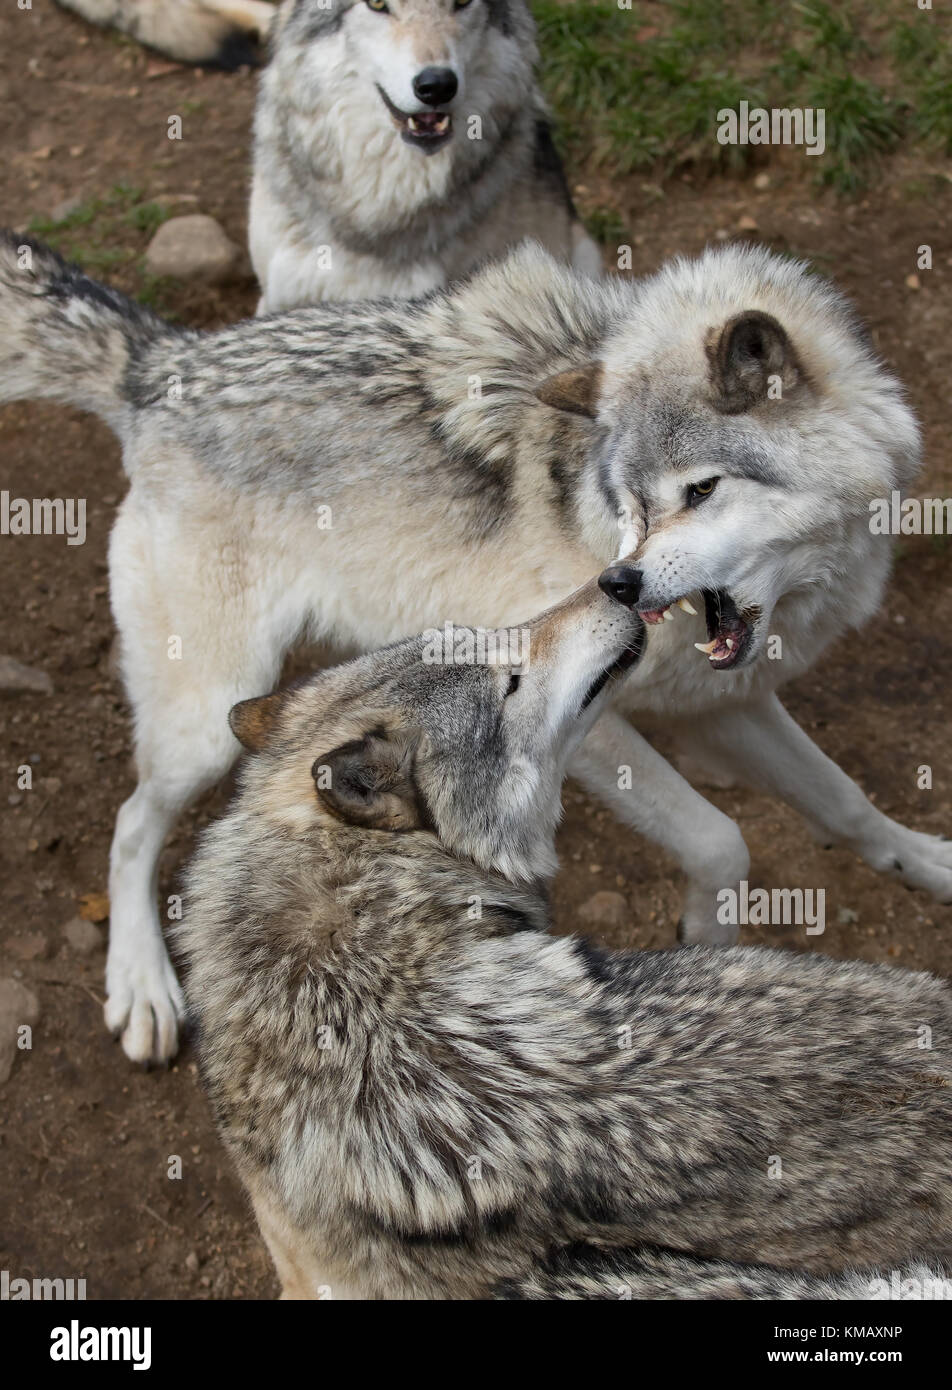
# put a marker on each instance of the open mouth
(728, 629)
(622, 663)
(427, 130)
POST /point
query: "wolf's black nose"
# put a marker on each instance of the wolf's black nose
(622, 583)
(435, 86)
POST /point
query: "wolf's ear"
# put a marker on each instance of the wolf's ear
(751, 359)
(576, 390)
(252, 721)
(369, 782)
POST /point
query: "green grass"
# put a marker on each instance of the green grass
(110, 233)
(639, 90)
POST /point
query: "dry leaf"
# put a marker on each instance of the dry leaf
(94, 907)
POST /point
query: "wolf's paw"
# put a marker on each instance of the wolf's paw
(144, 1006)
(699, 924)
(919, 861)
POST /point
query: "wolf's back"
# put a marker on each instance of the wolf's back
(64, 337)
(585, 1273)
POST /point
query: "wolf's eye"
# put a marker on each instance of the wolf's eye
(513, 685)
(380, 6)
(698, 491)
(461, 4)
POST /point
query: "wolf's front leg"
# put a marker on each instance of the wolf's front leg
(769, 750)
(648, 794)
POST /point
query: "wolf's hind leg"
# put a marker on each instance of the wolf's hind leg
(652, 797)
(769, 750)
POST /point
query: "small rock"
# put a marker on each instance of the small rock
(52, 786)
(31, 946)
(16, 678)
(65, 209)
(605, 910)
(14, 799)
(761, 182)
(18, 1006)
(192, 1262)
(84, 937)
(846, 915)
(194, 247)
(94, 907)
(912, 281)
(747, 224)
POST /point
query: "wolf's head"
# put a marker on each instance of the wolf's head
(459, 732)
(425, 68)
(745, 424)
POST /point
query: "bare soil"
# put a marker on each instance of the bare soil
(85, 1139)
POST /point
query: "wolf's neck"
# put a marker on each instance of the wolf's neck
(376, 886)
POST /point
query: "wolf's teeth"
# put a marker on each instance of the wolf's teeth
(706, 647)
(414, 124)
(730, 643)
(668, 615)
(687, 606)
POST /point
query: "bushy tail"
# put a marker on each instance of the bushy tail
(64, 337)
(587, 1273)
(214, 33)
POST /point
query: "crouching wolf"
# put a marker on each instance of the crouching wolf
(428, 1096)
(357, 472)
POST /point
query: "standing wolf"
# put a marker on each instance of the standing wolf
(398, 143)
(357, 472)
(428, 1096)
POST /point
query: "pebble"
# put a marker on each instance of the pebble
(605, 909)
(18, 1005)
(65, 209)
(30, 946)
(194, 247)
(17, 678)
(83, 937)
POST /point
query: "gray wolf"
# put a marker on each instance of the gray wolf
(214, 33)
(428, 1096)
(397, 146)
(353, 473)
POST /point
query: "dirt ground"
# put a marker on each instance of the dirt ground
(85, 1139)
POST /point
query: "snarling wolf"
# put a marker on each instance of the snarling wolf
(353, 473)
(428, 1096)
(214, 33)
(397, 146)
